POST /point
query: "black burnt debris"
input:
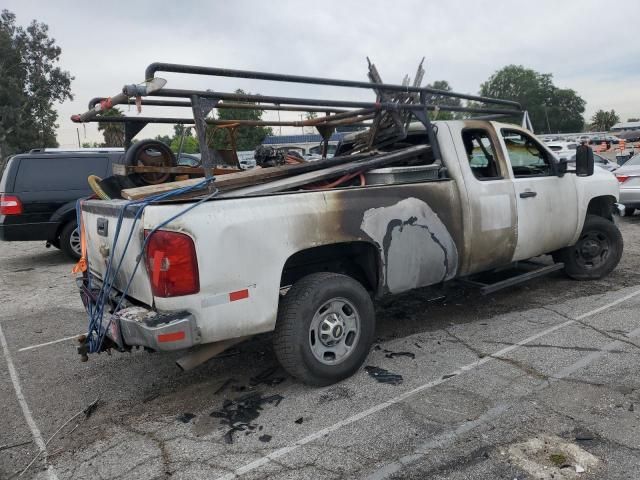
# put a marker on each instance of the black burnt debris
(267, 377)
(241, 412)
(384, 376)
(186, 417)
(391, 354)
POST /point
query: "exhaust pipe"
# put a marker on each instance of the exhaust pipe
(205, 352)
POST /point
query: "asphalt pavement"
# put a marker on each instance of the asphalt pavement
(537, 381)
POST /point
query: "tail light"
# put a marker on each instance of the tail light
(622, 178)
(172, 264)
(10, 205)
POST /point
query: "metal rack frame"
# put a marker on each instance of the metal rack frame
(337, 112)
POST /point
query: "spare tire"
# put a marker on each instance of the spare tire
(151, 153)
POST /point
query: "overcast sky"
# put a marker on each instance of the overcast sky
(589, 46)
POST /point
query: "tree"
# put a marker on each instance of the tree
(633, 119)
(602, 120)
(441, 100)
(310, 116)
(113, 132)
(551, 109)
(189, 144)
(166, 139)
(30, 83)
(247, 137)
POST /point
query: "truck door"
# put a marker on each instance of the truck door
(490, 212)
(547, 204)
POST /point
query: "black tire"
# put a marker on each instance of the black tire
(629, 210)
(294, 334)
(596, 253)
(69, 242)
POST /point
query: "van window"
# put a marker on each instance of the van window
(55, 173)
(481, 154)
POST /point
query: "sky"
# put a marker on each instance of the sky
(589, 46)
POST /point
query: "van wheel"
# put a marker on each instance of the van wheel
(596, 253)
(70, 240)
(325, 327)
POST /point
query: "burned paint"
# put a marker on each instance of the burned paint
(416, 246)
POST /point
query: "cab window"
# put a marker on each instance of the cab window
(528, 158)
(481, 154)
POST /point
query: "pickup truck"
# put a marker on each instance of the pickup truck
(307, 264)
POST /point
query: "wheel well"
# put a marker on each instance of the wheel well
(601, 206)
(359, 260)
(62, 221)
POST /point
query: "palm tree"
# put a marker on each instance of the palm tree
(113, 132)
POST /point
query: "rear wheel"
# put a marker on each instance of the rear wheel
(325, 327)
(596, 253)
(70, 240)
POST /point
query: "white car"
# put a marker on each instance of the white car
(563, 150)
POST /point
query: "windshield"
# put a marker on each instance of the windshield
(633, 161)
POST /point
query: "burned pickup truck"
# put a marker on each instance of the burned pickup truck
(302, 250)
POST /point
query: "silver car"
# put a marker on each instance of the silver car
(629, 177)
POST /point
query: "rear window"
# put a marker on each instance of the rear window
(55, 173)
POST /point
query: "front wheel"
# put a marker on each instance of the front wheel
(596, 253)
(325, 327)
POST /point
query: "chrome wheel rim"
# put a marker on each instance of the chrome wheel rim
(334, 331)
(74, 241)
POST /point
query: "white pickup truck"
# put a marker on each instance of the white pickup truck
(307, 264)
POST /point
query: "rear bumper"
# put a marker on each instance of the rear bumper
(138, 326)
(28, 231)
(630, 196)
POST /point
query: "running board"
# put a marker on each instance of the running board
(531, 270)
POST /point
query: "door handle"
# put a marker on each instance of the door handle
(528, 194)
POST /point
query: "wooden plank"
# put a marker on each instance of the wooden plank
(241, 179)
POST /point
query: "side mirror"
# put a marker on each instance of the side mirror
(584, 161)
(562, 167)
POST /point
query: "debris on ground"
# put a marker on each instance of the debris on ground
(392, 354)
(224, 385)
(448, 375)
(383, 376)
(14, 445)
(240, 413)
(265, 438)
(299, 421)
(186, 417)
(266, 377)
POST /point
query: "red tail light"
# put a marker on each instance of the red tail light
(172, 264)
(10, 205)
(622, 178)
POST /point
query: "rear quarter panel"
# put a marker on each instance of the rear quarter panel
(244, 243)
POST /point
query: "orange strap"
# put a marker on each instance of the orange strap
(81, 266)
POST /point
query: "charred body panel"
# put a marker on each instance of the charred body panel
(405, 223)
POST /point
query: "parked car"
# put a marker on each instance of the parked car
(39, 190)
(629, 177)
(563, 150)
(599, 161)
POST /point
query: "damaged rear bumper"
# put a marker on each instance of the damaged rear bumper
(138, 326)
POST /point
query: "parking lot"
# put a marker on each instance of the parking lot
(537, 381)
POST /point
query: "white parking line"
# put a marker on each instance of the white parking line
(35, 431)
(49, 343)
(381, 406)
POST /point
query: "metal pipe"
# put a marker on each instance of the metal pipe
(153, 68)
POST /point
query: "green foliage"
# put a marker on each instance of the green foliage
(551, 109)
(113, 132)
(30, 83)
(436, 99)
(602, 120)
(166, 139)
(189, 145)
(91, 145)
(633, 119)
(247, 137)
